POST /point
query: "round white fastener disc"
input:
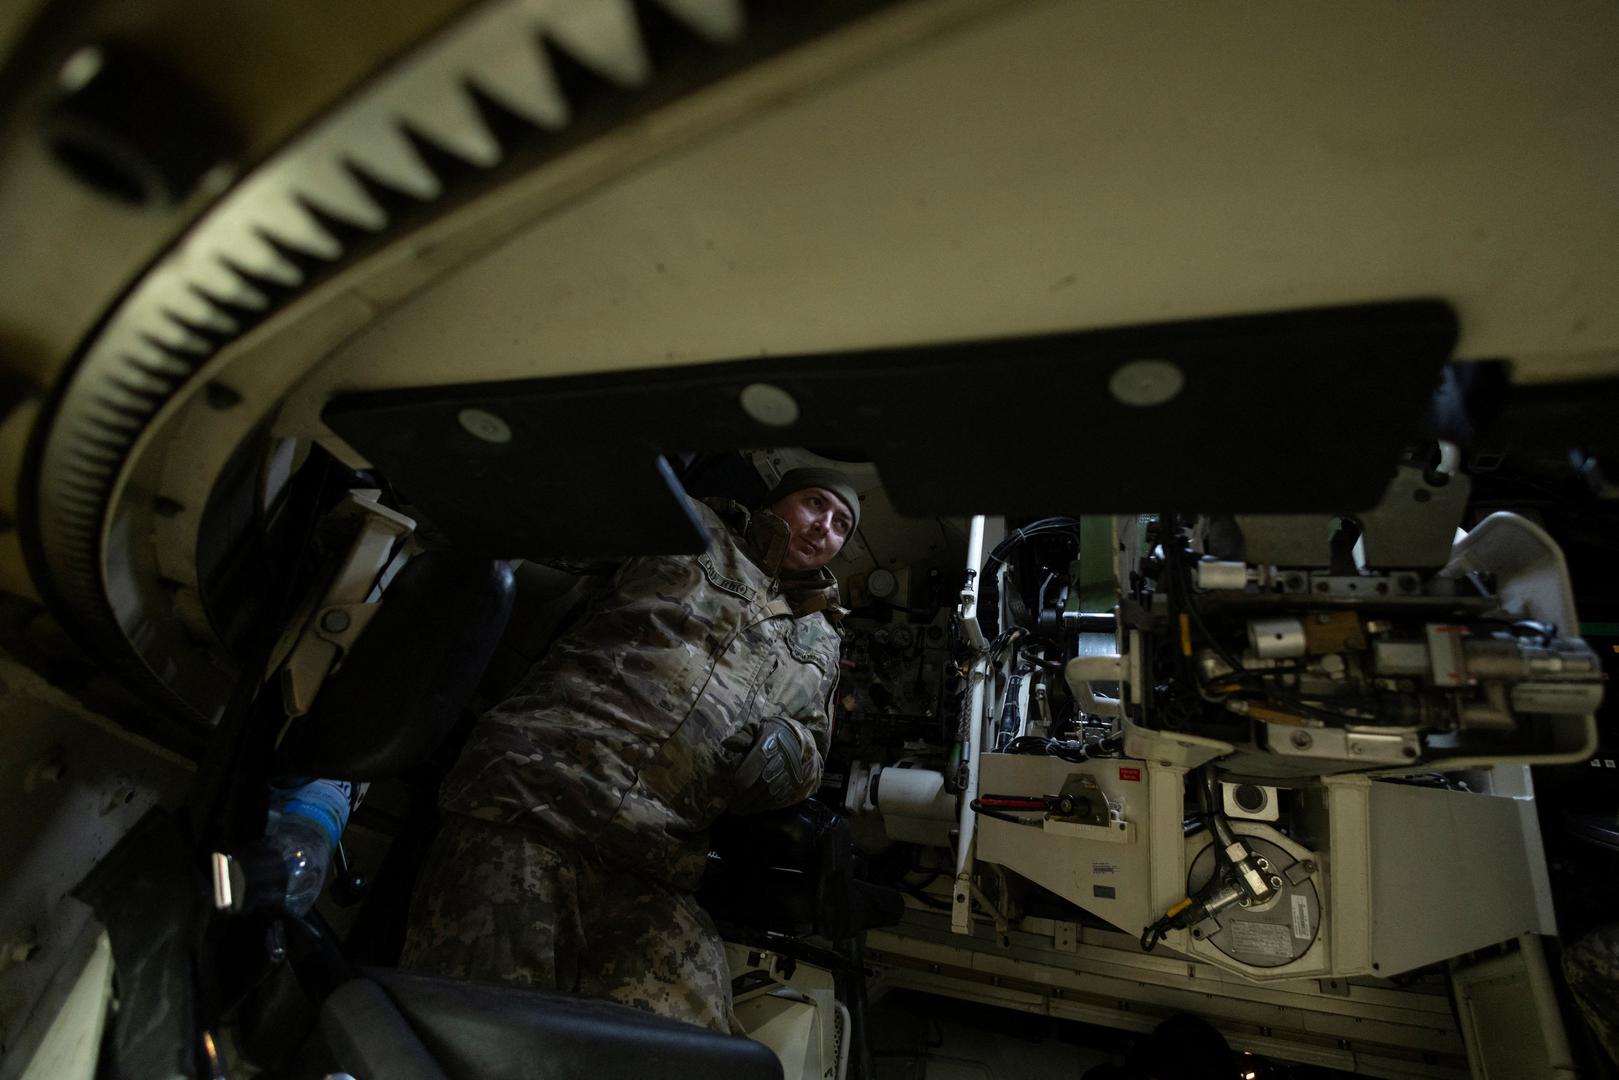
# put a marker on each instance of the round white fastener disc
(485, 425)
(769, 404)
(1146, 382)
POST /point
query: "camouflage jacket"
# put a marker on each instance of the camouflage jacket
(623, 740)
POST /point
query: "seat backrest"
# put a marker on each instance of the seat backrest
(406, 679)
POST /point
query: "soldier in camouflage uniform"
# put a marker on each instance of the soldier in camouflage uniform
(576, 820)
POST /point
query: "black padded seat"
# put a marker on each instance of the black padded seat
(487, 1031)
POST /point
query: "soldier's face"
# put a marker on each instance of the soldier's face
(820, 523)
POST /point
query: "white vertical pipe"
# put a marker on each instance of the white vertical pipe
(961, 907)
(969, 591)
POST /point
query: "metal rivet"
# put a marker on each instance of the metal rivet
(335, 621)
(769, 404)
(1146, 382)
(484, 425)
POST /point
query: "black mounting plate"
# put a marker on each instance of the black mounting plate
(1298, 411)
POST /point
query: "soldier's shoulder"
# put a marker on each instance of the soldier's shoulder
(722, 513)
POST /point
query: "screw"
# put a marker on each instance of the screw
(1356, 748)
(1322, 586)
(1409, 751)
(1295, 582)
(335, 621)
(1302, 740)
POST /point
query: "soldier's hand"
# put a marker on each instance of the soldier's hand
(778, 770)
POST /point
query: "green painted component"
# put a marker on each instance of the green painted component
(1073, 605)
(1094, 583)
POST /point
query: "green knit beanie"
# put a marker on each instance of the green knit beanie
(830, 479)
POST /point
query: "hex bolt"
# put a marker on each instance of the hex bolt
(335, 621)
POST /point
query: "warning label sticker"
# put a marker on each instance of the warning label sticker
(1301, 918)
(1129, 773)
(1269, 940)
(1104, 868)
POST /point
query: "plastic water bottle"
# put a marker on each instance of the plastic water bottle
(304, 827)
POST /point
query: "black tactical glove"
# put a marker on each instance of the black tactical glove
(777, 771)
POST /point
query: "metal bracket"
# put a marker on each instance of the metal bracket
(1299, 872)
(325, 629)
(1003, 925)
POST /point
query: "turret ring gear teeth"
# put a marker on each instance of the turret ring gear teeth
(499, 93)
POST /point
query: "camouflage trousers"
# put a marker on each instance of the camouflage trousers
(1591, 965)
(496, 903)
